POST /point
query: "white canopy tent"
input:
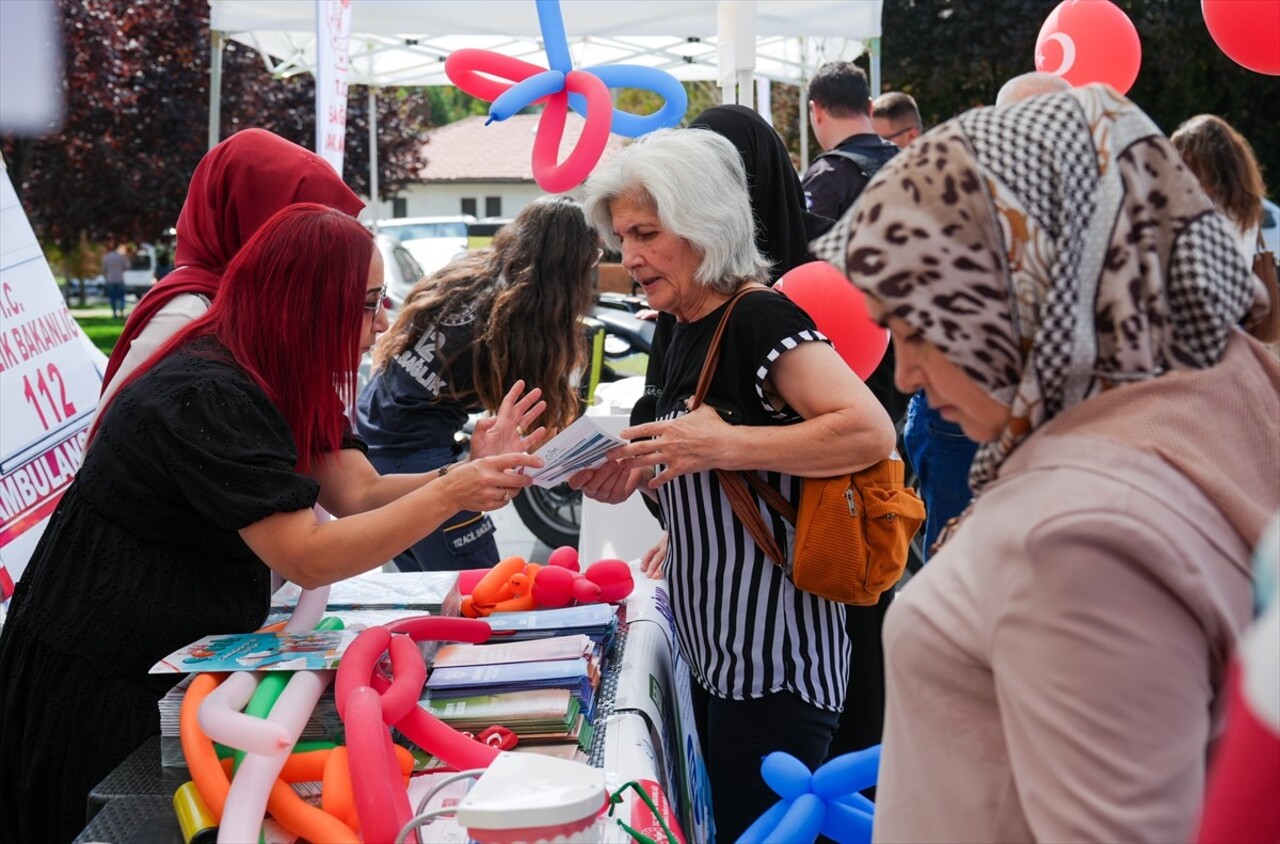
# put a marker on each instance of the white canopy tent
(405, 42)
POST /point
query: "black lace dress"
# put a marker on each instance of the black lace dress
(141, 556)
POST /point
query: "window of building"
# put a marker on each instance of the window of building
(493, 206)
(469, 205)
(399, 207)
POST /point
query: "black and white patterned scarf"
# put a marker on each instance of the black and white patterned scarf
(1053, 249)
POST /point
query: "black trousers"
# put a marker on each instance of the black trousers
(862, 721)
(737, 734)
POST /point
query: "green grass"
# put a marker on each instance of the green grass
(102, 330)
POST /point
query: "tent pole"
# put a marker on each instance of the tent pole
(873, 47)
(216, 44)
(373, 157)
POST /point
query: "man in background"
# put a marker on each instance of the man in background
(114, 263)
(840, 112)
(896, 118)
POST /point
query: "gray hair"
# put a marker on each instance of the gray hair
(694, 181)
(1030, 85)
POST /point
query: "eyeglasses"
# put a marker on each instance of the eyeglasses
(381, 303)
(599, 256)
(900, 132)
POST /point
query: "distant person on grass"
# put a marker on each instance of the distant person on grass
(114, 263)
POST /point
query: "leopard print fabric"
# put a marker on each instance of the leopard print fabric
(1053, 249)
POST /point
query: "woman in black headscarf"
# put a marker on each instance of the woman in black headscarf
(783, 225)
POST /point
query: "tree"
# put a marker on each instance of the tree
(136, 94)
(952, 56)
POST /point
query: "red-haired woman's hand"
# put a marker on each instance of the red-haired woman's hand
(487, 483)
(511, 428)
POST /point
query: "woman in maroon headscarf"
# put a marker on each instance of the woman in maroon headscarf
(237, 186)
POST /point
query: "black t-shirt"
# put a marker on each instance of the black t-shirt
(744, 628)
(409, 405)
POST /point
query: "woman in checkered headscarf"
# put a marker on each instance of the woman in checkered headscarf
(1057, 283)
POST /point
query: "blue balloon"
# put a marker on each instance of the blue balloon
(520, 95)
(554, 40)
(764, 824)
(848, 773)
(786, 775)
(676, 100)
(857, 801)
(847, 825)
(802, 822)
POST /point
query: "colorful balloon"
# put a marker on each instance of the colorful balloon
(561, 88)
(839, 311)
(1086, 41)
(825, 802)
(1248, 31)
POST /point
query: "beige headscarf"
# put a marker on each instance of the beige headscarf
(1053, 249)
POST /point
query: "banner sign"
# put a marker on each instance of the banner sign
(49, 384)
(333, 60)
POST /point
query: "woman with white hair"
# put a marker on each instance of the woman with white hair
(781, 404)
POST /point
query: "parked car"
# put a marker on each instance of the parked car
(141, 274)
(401, 271)
(433, 241)
(1271, 226)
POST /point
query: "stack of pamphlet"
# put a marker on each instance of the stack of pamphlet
(543, 690)
(598, 621)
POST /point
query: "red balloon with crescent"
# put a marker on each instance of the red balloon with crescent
(1086, 41)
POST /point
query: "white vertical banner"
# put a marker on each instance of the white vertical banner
(50, 375)
(333, 60)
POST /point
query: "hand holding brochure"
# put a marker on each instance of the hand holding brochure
(580, 446)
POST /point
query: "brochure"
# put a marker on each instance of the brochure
(312, 651)
(580, 446)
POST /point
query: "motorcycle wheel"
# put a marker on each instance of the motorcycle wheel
(553, 515)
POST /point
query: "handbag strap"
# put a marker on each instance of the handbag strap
(735, 483)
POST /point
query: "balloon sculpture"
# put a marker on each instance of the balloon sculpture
(560, 88)
(839, 311)
(1248, 31)
(515, 585)
(358, 779)
(825, 802)
(1086, 41)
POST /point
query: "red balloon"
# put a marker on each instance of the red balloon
(1248, 31)
(1086, 41)
(839, 311)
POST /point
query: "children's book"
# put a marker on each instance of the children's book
(434, 591)
(315, 650)
(535, 710)
(554, 674)
(595, 620)
(532, 650)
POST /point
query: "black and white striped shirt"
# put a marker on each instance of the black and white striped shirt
(744, 629)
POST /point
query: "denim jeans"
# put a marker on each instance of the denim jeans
(464, 541)
(940, 454)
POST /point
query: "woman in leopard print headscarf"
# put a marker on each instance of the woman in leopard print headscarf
(1057, 282)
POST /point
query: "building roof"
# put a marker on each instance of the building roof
(469, 151)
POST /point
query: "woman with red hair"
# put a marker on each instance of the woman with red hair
(237, 186)
(197, 484)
